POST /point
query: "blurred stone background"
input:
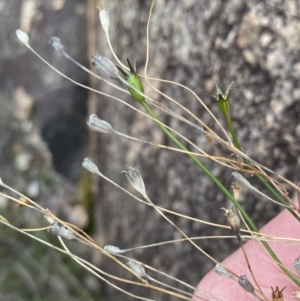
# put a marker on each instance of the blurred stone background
(44, 137)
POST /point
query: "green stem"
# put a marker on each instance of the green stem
(221, 187)
(233, 134)
(273, 191)
(260, 178)
(286, 271)
(204, 169)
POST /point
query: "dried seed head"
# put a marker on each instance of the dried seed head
(60, 230)
(104, 19)
(99, 125)
(245, 284)
(233, 220)
(90, 166)
(105, 66)
(236, 190)
(135, 179)
(56, 44)
(137, 268)
(220, 270)
(112, 249)
(277, 294)
(296, 264)
(23, 37)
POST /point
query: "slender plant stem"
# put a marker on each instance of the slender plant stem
(260, 178)
(270, 188)
(221, 187)
(203, 168)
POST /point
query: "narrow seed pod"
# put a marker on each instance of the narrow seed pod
(99, 125)
(112, 249)
(296, 264)
(241, 179)
(23, 37)
(56, 44)
(220, 270)
(245, 284)
(90, 166)
(60, 230)
(277, 295)
(135, 179)
(105, 66)
(137, 268)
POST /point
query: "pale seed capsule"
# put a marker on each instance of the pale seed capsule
(112, 249)
(241, 179)
(56, 44)
(23, 37)
(60, 230)
(245, 284)
(105, 66)
(136, 267)
(90, 166)
(99, 125)
(220, 270)
(135, 179)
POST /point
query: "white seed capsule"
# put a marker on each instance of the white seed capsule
(136, 267)
(112, 249)
(56, 44)
(90, 166)
(135, 179)
(99, 125)
(60, 230)
(241, 179)
(105, 66)
(220, 270)
(23, 37)
(245, 284)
